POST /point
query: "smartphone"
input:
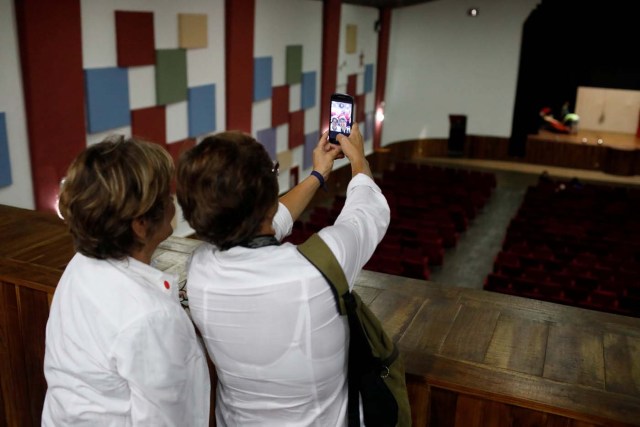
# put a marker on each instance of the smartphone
(342, 115)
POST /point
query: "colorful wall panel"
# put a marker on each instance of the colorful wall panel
(202, 110)
(368, 78)
(280, 106)
(161, 71)
(149, 124)
(107, 92)
(308, 90)
(296, 129)
(310, 142)
(267, 137)
(193, 31)
(5, 161)
(135, 38)
(294, 64)
(171, 76)
(262, 78)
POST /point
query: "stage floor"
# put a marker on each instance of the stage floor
(533, 169)
(619, 141)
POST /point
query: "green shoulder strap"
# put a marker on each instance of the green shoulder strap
(319, 254)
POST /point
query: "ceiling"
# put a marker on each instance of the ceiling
(385, 3)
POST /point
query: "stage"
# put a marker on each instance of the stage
(609, 152)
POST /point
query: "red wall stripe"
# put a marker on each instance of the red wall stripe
(330, 44)
(239, 29)
(381, 69)
(51, 59)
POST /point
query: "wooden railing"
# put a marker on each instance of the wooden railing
(473, 357)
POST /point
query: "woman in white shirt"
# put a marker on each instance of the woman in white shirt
(268, 317)
(120, 349)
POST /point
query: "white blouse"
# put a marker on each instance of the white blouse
(270, 322)
(121, 351)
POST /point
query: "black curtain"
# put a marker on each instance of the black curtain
(570, 43)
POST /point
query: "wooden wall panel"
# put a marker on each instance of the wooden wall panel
(418, 391)
(469, 411)
(442, 411)
(34, 312)
(13, 379)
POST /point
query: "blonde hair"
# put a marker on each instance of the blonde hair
(109, 185)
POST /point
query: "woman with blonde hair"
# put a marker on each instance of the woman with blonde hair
(120, 350)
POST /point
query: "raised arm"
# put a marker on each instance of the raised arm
(365, 216)
(297, 199)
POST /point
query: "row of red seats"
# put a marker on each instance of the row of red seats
(563, 246)
(430, 207)
(422, 226)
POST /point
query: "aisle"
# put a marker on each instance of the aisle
(468, 263)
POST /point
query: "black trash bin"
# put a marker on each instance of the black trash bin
(457, 134)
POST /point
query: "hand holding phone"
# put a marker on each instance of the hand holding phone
(342, 115)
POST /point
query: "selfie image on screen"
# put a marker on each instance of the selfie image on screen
(340, 119)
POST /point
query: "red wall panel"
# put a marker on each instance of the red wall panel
(279, 105)
(135, 38)
(330, 43)
(296, 129)
(381, 71)
(51, 58)
(176, 149)
(360, 101)
(239, 28)
(352, 84)
(150, 124)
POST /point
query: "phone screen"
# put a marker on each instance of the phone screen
(341, 118)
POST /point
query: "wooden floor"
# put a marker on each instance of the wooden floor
(473, 358)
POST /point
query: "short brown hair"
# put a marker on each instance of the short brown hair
(109, 185)
(226, 185)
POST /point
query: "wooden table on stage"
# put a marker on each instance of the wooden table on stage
(613, 153)
(473, 357)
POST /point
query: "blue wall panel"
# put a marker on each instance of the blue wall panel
(5, 163)
(310, 142)
(262, 78)
(368, 78)
(107, 98)
(267, 137)
(202, 110)
(308, 90)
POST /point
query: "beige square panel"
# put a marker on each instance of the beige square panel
(192, 30)
(285, 159)
(352, 38)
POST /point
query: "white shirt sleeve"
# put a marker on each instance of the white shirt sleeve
(360, 226)
(282, 222)
(158, 357)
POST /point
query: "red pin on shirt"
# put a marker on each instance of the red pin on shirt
(166, 284)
